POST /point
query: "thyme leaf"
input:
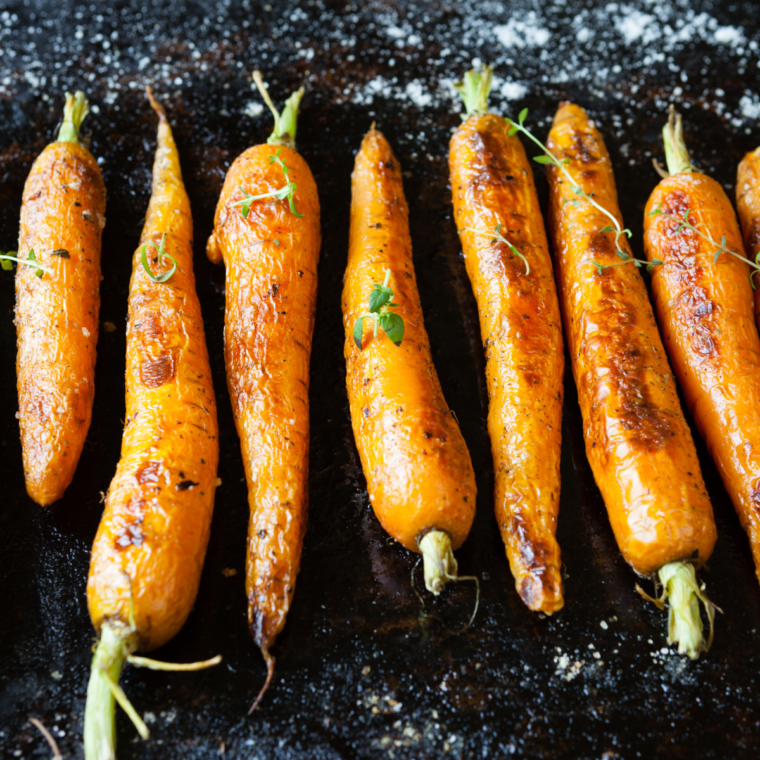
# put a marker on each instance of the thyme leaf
(286, 192)
(497, 236)
(161, 254)
(379, 311)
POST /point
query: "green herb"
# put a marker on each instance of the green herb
(286, 192)
(7, 259)
(497, 236)
(720, 248)
(161, 254)
(380, 305)
(561, 164)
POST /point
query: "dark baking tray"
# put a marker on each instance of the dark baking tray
(360, 672)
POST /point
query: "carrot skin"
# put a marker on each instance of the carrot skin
(418, 470)
(492, 184)
(151, 543)
(271, 288)
(637, 441)
(706, 312)
(748, 205)
(63, 209)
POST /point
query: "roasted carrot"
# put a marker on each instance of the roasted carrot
(637, 441)
(150, 545)
(62, 218)
(705, 307)
(507, 258)
(267, 232)
(419, 476)
(748, 204)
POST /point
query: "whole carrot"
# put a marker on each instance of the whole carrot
(267, 233)
(150, 545)
(419, 475)
(507, 257)
(62, 219)
(637, 440)
(748, 205)
(705, 307)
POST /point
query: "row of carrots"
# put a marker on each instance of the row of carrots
(149, 548)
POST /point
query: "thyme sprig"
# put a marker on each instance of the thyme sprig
(720, 248)
(561, 164)
(380, 305)
(497, 236)
(7, 259)
(286, 192)
(161, 255)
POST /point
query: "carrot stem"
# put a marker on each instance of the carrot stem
(439, 564)
(180, 667)
(475, 89)
(676, 153)
(684, 622)
(74, 112)
(284, 132)
(103, 690)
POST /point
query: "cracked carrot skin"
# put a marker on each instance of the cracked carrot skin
(418, 470)
(271, 293)
(748, 205)
(637, 441)
(706, 312)
(492, 184)
(62, 219)
(150, 546)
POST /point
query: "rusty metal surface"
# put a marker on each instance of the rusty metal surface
(360, 674)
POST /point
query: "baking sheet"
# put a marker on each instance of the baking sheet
(360, 672)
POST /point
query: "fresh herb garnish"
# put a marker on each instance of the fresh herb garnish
(497, 236)
(720, 248)
(380, 305)
(161, 254)
(561, 164)
(7, 259)
(287, 191)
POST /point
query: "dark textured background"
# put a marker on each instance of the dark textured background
(359, 673)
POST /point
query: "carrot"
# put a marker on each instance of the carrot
(149, 549)
(57, 305)
(268, 234)
(748, 204)
(705, 306)
(419, 476)
(507, 258)
(637, 441)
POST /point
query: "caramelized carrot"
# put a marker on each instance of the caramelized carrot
(419, 475)
(748, 204)
(496, 209)
(62, 218)
(637, 441)
(268, 234)
(149, 549)
(706, 312)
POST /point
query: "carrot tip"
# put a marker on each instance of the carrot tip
(270, 672)
(474, 90)
(439, 565)
(155, 105)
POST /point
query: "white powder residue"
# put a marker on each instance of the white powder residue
(729, 35)
(418, 94)
(749, 105)
(508, 90)
(638, 27)
(520, 34)
(253, 109)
